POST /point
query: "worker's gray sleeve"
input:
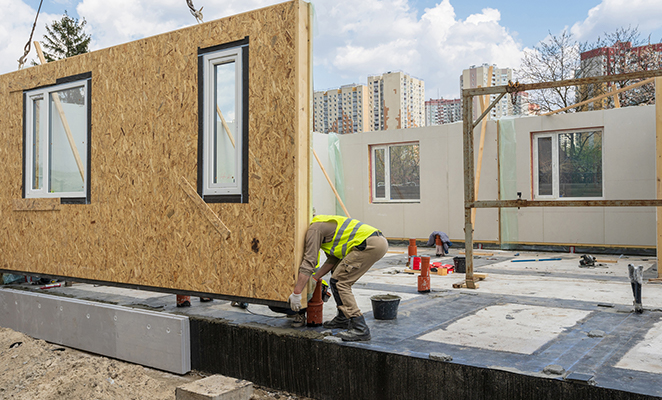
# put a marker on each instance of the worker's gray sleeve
(318, 233)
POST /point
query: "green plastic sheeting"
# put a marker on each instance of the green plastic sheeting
(508, 181)
(336, 162)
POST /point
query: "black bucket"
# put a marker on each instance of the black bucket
(460, 265)
(385, 306)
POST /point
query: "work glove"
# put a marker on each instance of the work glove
(295, 301)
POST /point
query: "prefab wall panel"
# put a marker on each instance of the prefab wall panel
(141, 227)
(628, 170)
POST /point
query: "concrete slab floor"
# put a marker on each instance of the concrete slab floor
(524, 317)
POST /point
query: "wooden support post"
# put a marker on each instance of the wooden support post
(63, 118)
(658, 159)
(469, 193)
(331, 184)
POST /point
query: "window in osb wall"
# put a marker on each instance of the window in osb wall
(56, 142)
(223, 150)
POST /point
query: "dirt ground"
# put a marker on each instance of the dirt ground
(33, 369)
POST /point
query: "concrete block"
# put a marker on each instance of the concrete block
(216, 387)
(149, 338)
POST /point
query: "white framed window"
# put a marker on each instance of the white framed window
(568, 164)
(395, 172)
(223, 137)
(57, 140)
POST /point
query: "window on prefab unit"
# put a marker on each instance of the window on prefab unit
(568, 164)
(395, 172)
(223, 114)
(57, 140)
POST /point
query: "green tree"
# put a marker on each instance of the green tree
(65, 38)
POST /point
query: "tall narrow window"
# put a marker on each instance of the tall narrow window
(57, 140)
(568, 164)
(395, 172)
(223, 153)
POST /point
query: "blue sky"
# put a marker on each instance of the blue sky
(432, 40)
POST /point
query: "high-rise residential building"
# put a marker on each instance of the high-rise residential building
(480, 76)
(397, 101)
(617, 59)
(343, 110)
(442, 111)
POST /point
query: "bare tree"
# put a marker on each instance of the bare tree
(554, 59)
(620, 52)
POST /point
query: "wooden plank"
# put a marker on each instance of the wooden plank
(617, 101)
(226, 128)
(470, 284)
(658, 164)
(483, 126)
(303, 130)
(48, 204)
(602, 260)
(204, 208)
(523, 87)
(333, 187)
(478, 253)
(602, 96)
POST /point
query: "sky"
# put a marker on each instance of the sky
(431, 40)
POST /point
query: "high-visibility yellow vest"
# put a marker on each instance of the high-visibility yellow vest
(349, 234)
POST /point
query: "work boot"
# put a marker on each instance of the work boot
(358, 330)
(339, 321)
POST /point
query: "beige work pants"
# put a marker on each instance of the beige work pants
(352, 267)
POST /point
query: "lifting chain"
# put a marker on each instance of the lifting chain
(26, 49)
(196, 13)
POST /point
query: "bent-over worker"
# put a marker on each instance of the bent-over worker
(352, 247)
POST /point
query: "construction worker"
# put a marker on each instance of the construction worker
(352, 247)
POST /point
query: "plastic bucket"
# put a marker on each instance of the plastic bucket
(385, 306)
(460, 266)
(416, 263)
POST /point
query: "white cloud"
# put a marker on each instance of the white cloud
(18, 18)
(120, 21)
(359, 38)
(354, 38)
(612, 14)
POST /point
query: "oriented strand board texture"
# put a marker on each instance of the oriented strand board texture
(141, 227)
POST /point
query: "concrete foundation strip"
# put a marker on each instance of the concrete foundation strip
(149, 338)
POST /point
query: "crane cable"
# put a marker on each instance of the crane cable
(196, 13)
(21, 60)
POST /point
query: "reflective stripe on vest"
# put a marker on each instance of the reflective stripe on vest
(349, 234)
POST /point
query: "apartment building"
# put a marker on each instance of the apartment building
(491, 75)
(343, 110)
(442, 111)
(397, 101)
(620, 58)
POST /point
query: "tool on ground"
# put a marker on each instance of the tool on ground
(636, 275)
(315, 310)
(424, 278)
(587, 261)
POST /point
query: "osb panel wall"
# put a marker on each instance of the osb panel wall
(141, 227)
